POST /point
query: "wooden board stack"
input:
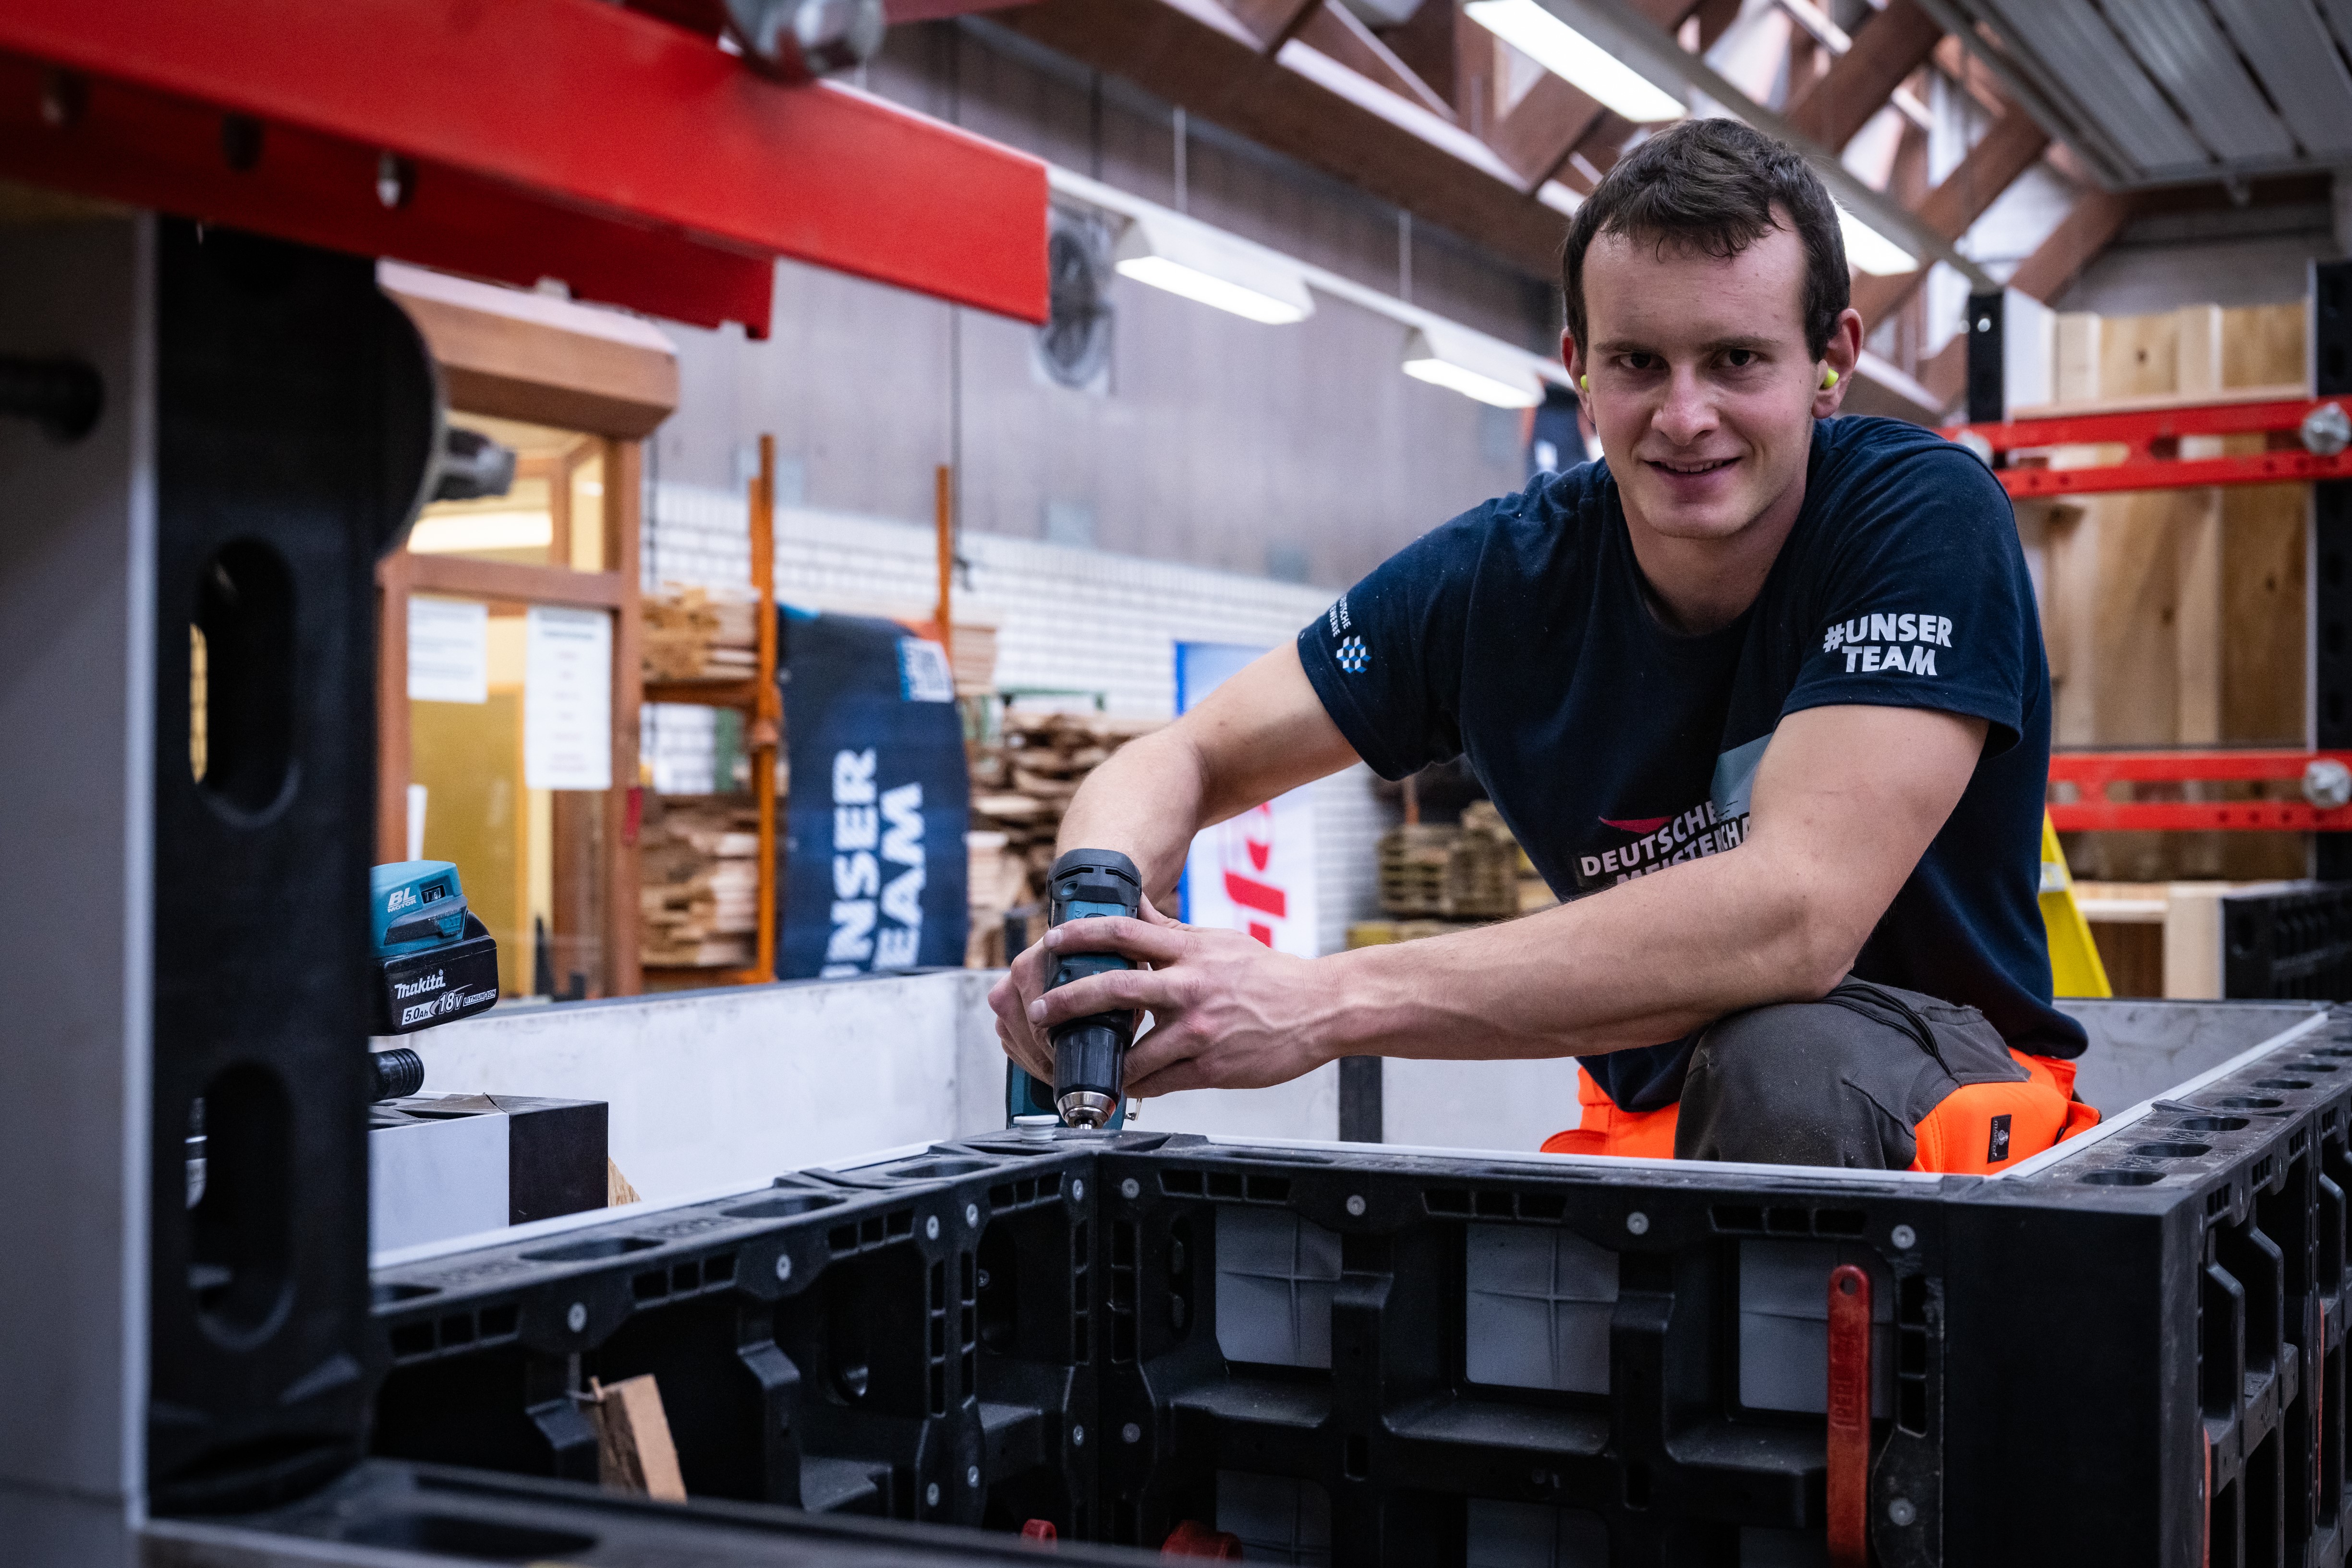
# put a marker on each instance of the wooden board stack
(1021, 785)
(2175, 617)
(699, 897)
(700, 634)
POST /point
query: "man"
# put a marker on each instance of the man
(1762, 695)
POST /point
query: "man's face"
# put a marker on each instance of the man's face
(1702, 387)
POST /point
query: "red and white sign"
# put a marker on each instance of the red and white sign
(1256, 874)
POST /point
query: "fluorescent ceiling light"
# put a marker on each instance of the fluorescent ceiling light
(453, 533)
(1576, 59)
(1472, 364)
(1871, 251)
(1168, 251)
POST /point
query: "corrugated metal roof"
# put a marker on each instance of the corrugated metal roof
(2160, 92)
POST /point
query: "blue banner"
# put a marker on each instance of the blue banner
(878, 802)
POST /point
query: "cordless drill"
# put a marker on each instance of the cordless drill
(1090, 1053)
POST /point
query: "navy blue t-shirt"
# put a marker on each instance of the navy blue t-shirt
(1517, 635)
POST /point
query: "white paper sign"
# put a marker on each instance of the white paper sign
(567, 699)
(449, 650)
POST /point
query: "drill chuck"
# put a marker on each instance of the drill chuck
(1090, 1052)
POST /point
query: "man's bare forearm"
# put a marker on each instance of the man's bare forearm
(1144, 802)
(1643, 964)
(1260, 732)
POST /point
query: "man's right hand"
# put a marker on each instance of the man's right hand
(1025, 1041)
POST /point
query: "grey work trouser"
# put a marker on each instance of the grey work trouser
(1840, 1081)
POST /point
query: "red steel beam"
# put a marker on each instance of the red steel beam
(2092, 768)
(2174, 473)
(2150, 437)
(533, 126)
(2092, 772)
(2138, 427)
(2197, 816)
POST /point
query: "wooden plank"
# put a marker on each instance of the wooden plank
(2081, 233)
(391, 738)
(1546, 125)
(2263, 345)
(624, 484)
(518, 368)
(2284, 391)
(2009, 147)
(1543, 127)
(1170, 48)
(1272, 22)
(2076, 377)
(1334, 30)
(634, 1451)
(1887, 47)
(507, 581)
(2262, 596)
(2199, 629)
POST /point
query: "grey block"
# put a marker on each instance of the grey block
(1275, 1275)
(1533, 1535)
(1784, 1337)
(1536, 1309)
(1278, 1519)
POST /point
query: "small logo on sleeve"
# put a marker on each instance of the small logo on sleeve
(1904, 644)
(1338, 617)
(1996, 1149)
(1353, 655)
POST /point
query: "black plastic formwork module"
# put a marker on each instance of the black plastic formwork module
(1351, 1356)
(443, 1513)
(2291, 945)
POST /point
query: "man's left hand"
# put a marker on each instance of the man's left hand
(1227, 1011)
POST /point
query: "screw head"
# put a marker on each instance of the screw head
(1356, 1205)
(1903, 1237)
(1900, 1512)
(1078, 1191)
(577, 1317)
(972, 1477)
(783, 1265)
(1130, 1188)
(1077, 1437)
(1638, 1223)
(1131, 1433)
(972, 1215)
(932, 1495)
(931, 1226)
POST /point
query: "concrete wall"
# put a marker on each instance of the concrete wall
(1299, 452)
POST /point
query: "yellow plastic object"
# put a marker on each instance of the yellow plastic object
(2075, 966)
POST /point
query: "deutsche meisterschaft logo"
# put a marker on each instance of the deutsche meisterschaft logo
(1353, 655)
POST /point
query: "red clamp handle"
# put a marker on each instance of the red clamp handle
(1193, 1539)
(1848, 1413)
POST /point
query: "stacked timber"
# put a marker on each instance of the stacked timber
(698, 898)
(1022, 782)
(2174, 618)
(693, 633)
(1528, 892)
(997, 882)
(1471, 871)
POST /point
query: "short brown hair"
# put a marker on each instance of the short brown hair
(1710, 186)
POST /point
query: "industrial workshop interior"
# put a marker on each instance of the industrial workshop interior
(1373, 783)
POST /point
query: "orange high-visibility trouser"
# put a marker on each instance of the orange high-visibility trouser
(1953, 1137)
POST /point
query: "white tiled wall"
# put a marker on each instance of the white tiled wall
(1065, 618)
